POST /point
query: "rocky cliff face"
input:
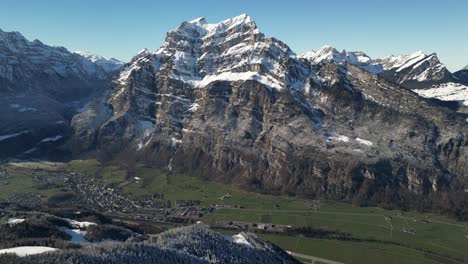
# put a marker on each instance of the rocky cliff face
(225, 102)
(41, 88)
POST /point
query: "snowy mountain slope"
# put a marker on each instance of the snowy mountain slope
(108, 64)
(27, 251)
(195, 55)
(446, 92)
(231, 46)
(41, 88)
(328, 54)
(415, 71)
(225, 102)
(31, 66)
(228, 103)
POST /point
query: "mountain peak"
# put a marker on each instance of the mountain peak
(198, 21)
(202, 27)
(418, 53)
(328, 48)
(240, 19)
(9, 36)
(143, 52)
(198, 53)
(108, 64)
(324, 54)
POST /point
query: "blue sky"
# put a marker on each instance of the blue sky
(121, 28)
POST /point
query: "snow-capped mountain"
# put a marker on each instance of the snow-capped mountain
(232, 49)
(328, 54)
(227, 102)
(415, 71)
(41, 87)
(33, 66)
(108, 64)
(426, 76)
(194, 55)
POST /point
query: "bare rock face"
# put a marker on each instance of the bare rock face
(225, 102)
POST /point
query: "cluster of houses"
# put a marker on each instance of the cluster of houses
(252, 227)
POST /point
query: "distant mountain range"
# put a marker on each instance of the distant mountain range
(42, 87)
(226, 102)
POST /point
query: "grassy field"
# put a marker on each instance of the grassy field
(22, 180)
(437, 234)
(352, 252)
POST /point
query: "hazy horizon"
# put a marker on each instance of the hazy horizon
(377, 28)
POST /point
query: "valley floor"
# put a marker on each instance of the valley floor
(324, 229)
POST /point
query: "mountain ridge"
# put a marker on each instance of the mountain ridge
(42, 87)
(227, 103)
(414, 71)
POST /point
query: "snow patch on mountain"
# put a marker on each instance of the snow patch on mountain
(446, 92)
(77, 235)
(49, 139)
(14, 221)
(4, 137)
(79, 224)
(238, 76)
(125, 73)
(339, 138)
(26, 251)
(364, 142)
(239, 239)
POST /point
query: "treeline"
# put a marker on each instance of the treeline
(97, 233)
(37, 230)
(192, 244)
(451, 204)
(389, 192)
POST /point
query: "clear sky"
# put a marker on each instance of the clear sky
(121, 28)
